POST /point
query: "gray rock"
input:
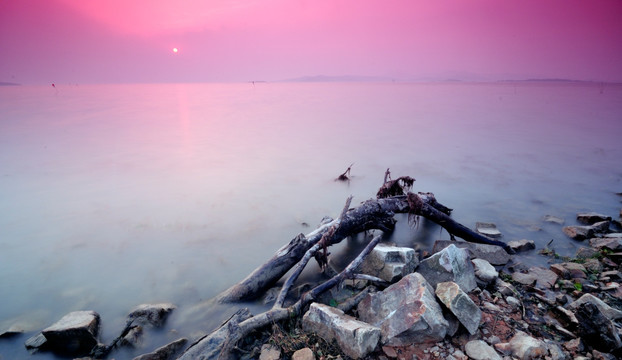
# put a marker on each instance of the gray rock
(74, 334)
(209, 346)
(449, 264)
(608, 311)
(526, 347)
(484, 272)
(390, 263)
(611, 243)
(303, 354)
(492, 253)
(522, 245)
(36, 342)
(504, 288)
(460, 304)
(165, 352)
(586, 252)
(406, 312)
(596, 329)
(543, 278)
(569, 270)
(154, 314)
(488, 229)
(553, 219)
(270, 352)
(479, 350)
(555, 350)
(355, 338)
(592, 218)
(586, 232)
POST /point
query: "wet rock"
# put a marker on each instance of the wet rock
(592, 218)
(303, 354)
(553, 219)
(270, 352)
(449, 264)
(484, 272)
(611, 243)
(133, 338)
(578, 232)
(479, 350)
(607, 310)
(153, 314)
(586, 252)
(406, 312)
(569, 270)
(555, 350)
(209, 346)
(74, 334)
(543, 278)
(593, 265)
(460, 304)
(526, 347)
(36, 342)
(596, 329)
(165, 352)
(494, 254)
(355, 338)
(522, 245)
(488, 229)
(390, 263)
(504, 288)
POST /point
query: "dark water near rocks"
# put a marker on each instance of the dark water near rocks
(116, 195)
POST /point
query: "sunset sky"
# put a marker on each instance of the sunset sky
(112, 41)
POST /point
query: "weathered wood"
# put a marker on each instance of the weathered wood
(371, 214)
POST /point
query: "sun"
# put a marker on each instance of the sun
(175, 50)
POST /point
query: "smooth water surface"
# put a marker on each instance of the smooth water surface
(116, 195)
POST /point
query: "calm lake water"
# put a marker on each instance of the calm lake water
(117, 195)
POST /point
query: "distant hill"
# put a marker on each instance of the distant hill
(342, 78)
(8, 84)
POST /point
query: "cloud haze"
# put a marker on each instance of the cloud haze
(75, 41)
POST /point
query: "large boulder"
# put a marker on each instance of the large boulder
(587, 231)
(460, 304)
(597, 330)
(494, 254)
(450, 264)
(406, 312)
(608, 311)
(390, 263)
(355, 338)
(74, 334)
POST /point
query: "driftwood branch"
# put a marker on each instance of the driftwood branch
(276, 314)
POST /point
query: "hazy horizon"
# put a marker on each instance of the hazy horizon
(71, 41)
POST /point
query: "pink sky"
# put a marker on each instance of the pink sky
(109, 41)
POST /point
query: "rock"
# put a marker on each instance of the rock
(154, 314)
(611, 243)
(209, 346)
(569, 270)
(479, 350)
(513, 302)
(355, 338)
(494, 254)
(555, 350)
(488, 229)
(607, 310)
(484, 272)
(586, 252)
(449, 264)
(270, 352)
(596, 329)
(543, 278)
(390, 263)
(74, 334)
(36, 342)
(578, 232)
(406, 312)
(133, 338)
(522, 245)
(553, 219)
(593, 265)
(592, 218)
(460, 304)
(526, 347)
(165, 352)
(504, 288)
(303, 354)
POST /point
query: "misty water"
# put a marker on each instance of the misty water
(117, 195)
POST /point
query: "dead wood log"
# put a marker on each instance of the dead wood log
(371, 214)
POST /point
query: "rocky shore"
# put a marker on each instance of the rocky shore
(459, 301)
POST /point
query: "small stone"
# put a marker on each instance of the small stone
(460, 304)
(303, 354)
(36, 342)
(154, 314)
(522, 245)
(479, 350)
(488, 229)
(485, 273)
(526, 347)
(494, 254)
(513, 302)
(592, 218)
(270, 352)
(553, 219)
(586, 252)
